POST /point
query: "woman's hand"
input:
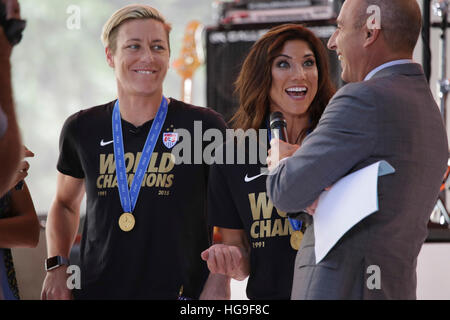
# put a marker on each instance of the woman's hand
(22, 170)
(278, 151)
(226, 260)
(311, 210)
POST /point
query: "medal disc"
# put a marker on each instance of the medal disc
(126, 222)
(296, 239)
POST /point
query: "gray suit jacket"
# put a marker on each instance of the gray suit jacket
(391, 117)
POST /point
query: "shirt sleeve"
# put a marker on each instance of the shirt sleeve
(222, 211)
(69, 162)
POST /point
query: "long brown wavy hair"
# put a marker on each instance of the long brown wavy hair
(255, 78)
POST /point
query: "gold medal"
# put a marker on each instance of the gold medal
(126, 222)
(296, 239)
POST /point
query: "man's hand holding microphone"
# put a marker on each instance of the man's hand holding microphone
(281, 149)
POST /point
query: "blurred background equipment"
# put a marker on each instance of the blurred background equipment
(261, 11)
(441, 9)
(439, 224)
(190, 59)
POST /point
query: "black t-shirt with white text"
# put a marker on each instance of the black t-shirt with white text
(162, 253)
(237, 199)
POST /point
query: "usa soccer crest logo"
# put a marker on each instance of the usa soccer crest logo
(170, 139)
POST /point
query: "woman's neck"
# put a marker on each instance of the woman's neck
(136, 109)
(295, 125)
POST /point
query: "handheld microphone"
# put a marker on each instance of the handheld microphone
(278, 126)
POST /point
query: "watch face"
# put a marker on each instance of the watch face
(51, 263)
(54, 262)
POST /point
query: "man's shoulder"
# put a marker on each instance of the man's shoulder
(364, 95)
(357, 95)
(386, 80)
(356, 89)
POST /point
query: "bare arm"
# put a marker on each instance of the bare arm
(64, 215)
(61, 230)
(225, 261)
(21, 230)
(10, 143)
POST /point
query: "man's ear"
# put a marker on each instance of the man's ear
(371, 36)
(109, 57)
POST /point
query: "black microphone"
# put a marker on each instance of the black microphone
(278, 126)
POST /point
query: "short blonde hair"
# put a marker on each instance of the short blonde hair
(130, 12)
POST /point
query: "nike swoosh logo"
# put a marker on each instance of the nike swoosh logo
(247, 179)
(103, 143)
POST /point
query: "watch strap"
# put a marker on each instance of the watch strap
(55, 262)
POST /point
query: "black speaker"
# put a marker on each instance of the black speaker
(226, 49)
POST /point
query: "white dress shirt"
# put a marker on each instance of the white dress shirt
(386, 65)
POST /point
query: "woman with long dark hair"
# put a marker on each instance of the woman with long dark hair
(286, 71)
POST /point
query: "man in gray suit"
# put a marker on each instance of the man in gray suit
(386, 112)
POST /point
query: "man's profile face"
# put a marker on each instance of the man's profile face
(348, 41)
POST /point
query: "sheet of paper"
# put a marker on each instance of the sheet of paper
(350, 200)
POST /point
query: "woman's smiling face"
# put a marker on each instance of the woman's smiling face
(295, 79)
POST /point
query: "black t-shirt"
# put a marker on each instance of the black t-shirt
(237, 199)
(162, 253)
